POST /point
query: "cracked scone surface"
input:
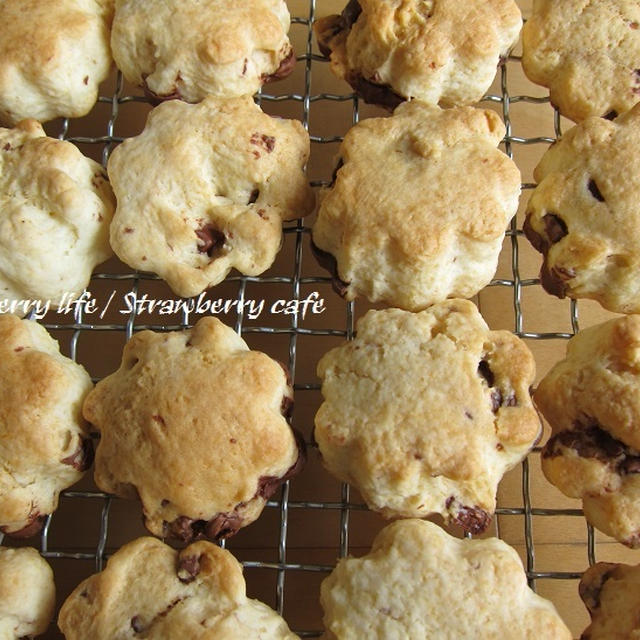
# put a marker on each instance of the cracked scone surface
(205, 188)
(424, 412)
(55, 209)
(419, 206)
(53, 56)
(44, 445)
(194, 423)
(419, 582)
(153, 591)
(189, 49)
(591, 399)
(27, 593)
(611, 593)
(440, 51)
(587, 53)
(584, 216)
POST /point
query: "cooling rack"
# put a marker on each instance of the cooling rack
(296, 541)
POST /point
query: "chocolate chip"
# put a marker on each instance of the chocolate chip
(268, 485)
(610, 115)
(85, 80)
(631, 464)
(590, 589)
(187, 529)
(211, 239)
(188, 568)
(350, 13)
(223, 526)
(136, 624)
(496, 400)
(82, 457)
(473, 520)
(374, 92)
(552, 282)
(595, 192)
(286, 407)
(284, 69)
(255, 194)
(328, 262)
(555, 227)
(165, 502)
(484, 370)
(156, 98)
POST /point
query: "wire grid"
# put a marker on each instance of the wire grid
(284, 505)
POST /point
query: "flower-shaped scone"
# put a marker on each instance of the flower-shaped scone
(419, 206)
(194, 423)
(44, 443)
(424, 412)
(27, 593)
(53, 56)
(591, 399)
(205, 188)
(440, 51)
(611, 593)
(584, 215)
(419, 582)
(586, 53)
(149, 590)
(55, 210)
(189, 49)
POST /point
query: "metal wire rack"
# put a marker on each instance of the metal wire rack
(295, 278)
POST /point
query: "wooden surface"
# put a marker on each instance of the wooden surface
(313, 534)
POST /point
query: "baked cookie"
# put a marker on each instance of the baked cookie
(44, 443)
(205, 188)
(424, 412)
(586, 53)
(27, 593)
(441, 51)
(55, 210)
(53, 56)
(419, 582)
(153, 591)
(591, 399)
(189, 49)
(195, 424)
(584, 217)
(611, 593)
(419, 206)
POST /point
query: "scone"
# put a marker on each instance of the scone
(584, 216)
(611, 593)
(194, 424)
(586, 53)
(44, 442)
(441, 51)
(152, 591)
(55, 210)
(27, 593)
(419, 582)
(424, 412)
(419, 206)
(189, 49)
(591, 399)
(205, 188)
(53, 56)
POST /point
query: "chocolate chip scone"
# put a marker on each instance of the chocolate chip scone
(441, 51)
(424, 412)
(189, 49)
(584, 217)
(419, 582)
(611, 593)
(591, 399)
(27, 593)
(44, 442)
(53, 56)
(587, 53)
(149, 590)
(55, 210)
(195, 424)
(205, 188)
(419, 206)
